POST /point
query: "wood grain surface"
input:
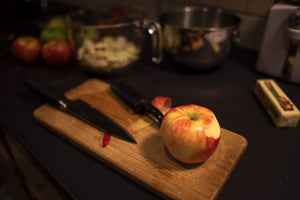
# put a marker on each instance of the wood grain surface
(148, 162)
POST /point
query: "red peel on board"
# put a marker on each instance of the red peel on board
(162, 103)
(105, 139)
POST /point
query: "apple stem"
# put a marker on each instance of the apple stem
(194, 117)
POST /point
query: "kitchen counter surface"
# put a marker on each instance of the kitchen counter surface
(269, 169)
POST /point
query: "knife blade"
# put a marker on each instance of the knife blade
(133, 98)
(81, 110)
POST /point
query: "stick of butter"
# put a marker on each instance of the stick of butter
(279, 107)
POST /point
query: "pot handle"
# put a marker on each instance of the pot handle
(154, 29)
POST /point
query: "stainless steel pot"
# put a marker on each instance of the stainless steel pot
(199, 37)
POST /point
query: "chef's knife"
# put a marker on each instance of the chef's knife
(138, 102)
(81, 110)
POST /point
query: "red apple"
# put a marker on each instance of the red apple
(56, 53)
(191, 133)
(26, 49)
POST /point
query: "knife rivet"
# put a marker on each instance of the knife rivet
(61, 103)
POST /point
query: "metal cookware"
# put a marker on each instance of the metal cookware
(198, 37)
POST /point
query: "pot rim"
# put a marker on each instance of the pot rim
(202, 9)
(76, 13)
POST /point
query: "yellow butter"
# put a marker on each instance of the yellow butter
(279, 107)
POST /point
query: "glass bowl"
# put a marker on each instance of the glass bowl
(109, 41)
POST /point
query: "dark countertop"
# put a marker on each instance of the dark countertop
(269, 169)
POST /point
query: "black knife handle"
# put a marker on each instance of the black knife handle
(44, 91)
(154, 111)
(130, 96)
(138, 102)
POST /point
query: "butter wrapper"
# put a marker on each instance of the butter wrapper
(277, 104)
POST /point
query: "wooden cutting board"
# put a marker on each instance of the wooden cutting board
(148, 162)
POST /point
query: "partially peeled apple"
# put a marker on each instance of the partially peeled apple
(191, 133)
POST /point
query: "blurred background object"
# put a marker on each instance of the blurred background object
(253, 13)
(110, 39)
(199, 37)
(279, 55)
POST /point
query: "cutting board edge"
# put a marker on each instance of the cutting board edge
(139, 182)
(243, 149)
(135, 179)
(89, 81)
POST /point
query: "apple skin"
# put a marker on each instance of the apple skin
(191, 133)
(26, 49)
(56, 53)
